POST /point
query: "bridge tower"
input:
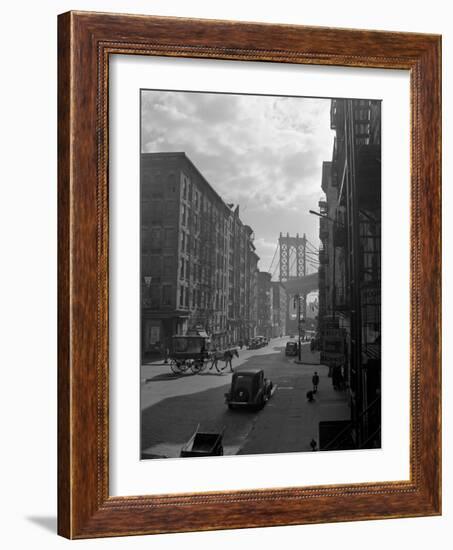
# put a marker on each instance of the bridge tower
(298, 246)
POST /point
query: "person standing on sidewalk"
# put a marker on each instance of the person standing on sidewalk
(315, 380)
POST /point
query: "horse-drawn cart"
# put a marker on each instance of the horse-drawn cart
(189, 352)
(192, 352)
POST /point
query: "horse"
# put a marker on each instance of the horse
(226, 356)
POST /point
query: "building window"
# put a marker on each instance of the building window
(170, 209)
(155, 269)
(168, 266)
(181, 274)
(166, 295)
(169, 237)
(156, 237)
(181, 296)
(156, 210)
(154, 296)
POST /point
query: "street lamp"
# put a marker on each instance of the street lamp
(326, 217)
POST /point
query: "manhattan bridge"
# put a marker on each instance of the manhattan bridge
(296, 261)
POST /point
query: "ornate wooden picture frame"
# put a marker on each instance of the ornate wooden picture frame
(85, 507)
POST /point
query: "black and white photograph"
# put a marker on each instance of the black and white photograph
(260, 251)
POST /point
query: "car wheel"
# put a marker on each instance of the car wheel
(260, 404)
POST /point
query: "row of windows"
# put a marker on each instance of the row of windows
(190, 193)
(195, 297)
(198, 202)
(198, 272)
(362, 129)
(160, 295)
(156, 186)
(157, 237)
(192, 246)
(157, 266)
(158, 210)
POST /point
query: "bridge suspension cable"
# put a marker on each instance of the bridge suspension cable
(314, 248)
(275, 254)
(276, 269)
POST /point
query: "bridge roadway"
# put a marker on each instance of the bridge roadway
(302, 285)
(172, 406)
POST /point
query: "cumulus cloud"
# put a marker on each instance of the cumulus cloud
(264, 153)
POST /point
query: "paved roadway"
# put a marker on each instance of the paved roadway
(173, 405)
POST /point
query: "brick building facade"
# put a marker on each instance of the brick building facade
(198, 261)
(350, 261)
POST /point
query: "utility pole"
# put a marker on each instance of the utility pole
(299, 357)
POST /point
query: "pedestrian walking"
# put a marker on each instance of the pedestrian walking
(313, 445)
(310, 396)
(315, 380)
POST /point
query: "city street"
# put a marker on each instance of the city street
(173, 405)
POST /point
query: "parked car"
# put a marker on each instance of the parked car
(261, 341)
(250, 389)
(291, 349)
(254, 344)
(257, 342)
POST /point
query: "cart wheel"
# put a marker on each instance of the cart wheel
(196, 367)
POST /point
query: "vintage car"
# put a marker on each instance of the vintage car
(255, 343)
(291, 348)
(258, 342)
(249, 389)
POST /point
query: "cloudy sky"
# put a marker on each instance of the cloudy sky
(264, 153)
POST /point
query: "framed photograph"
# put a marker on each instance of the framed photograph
(249, 275)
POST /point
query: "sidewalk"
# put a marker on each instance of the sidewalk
(307, 357)
(289, 422)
